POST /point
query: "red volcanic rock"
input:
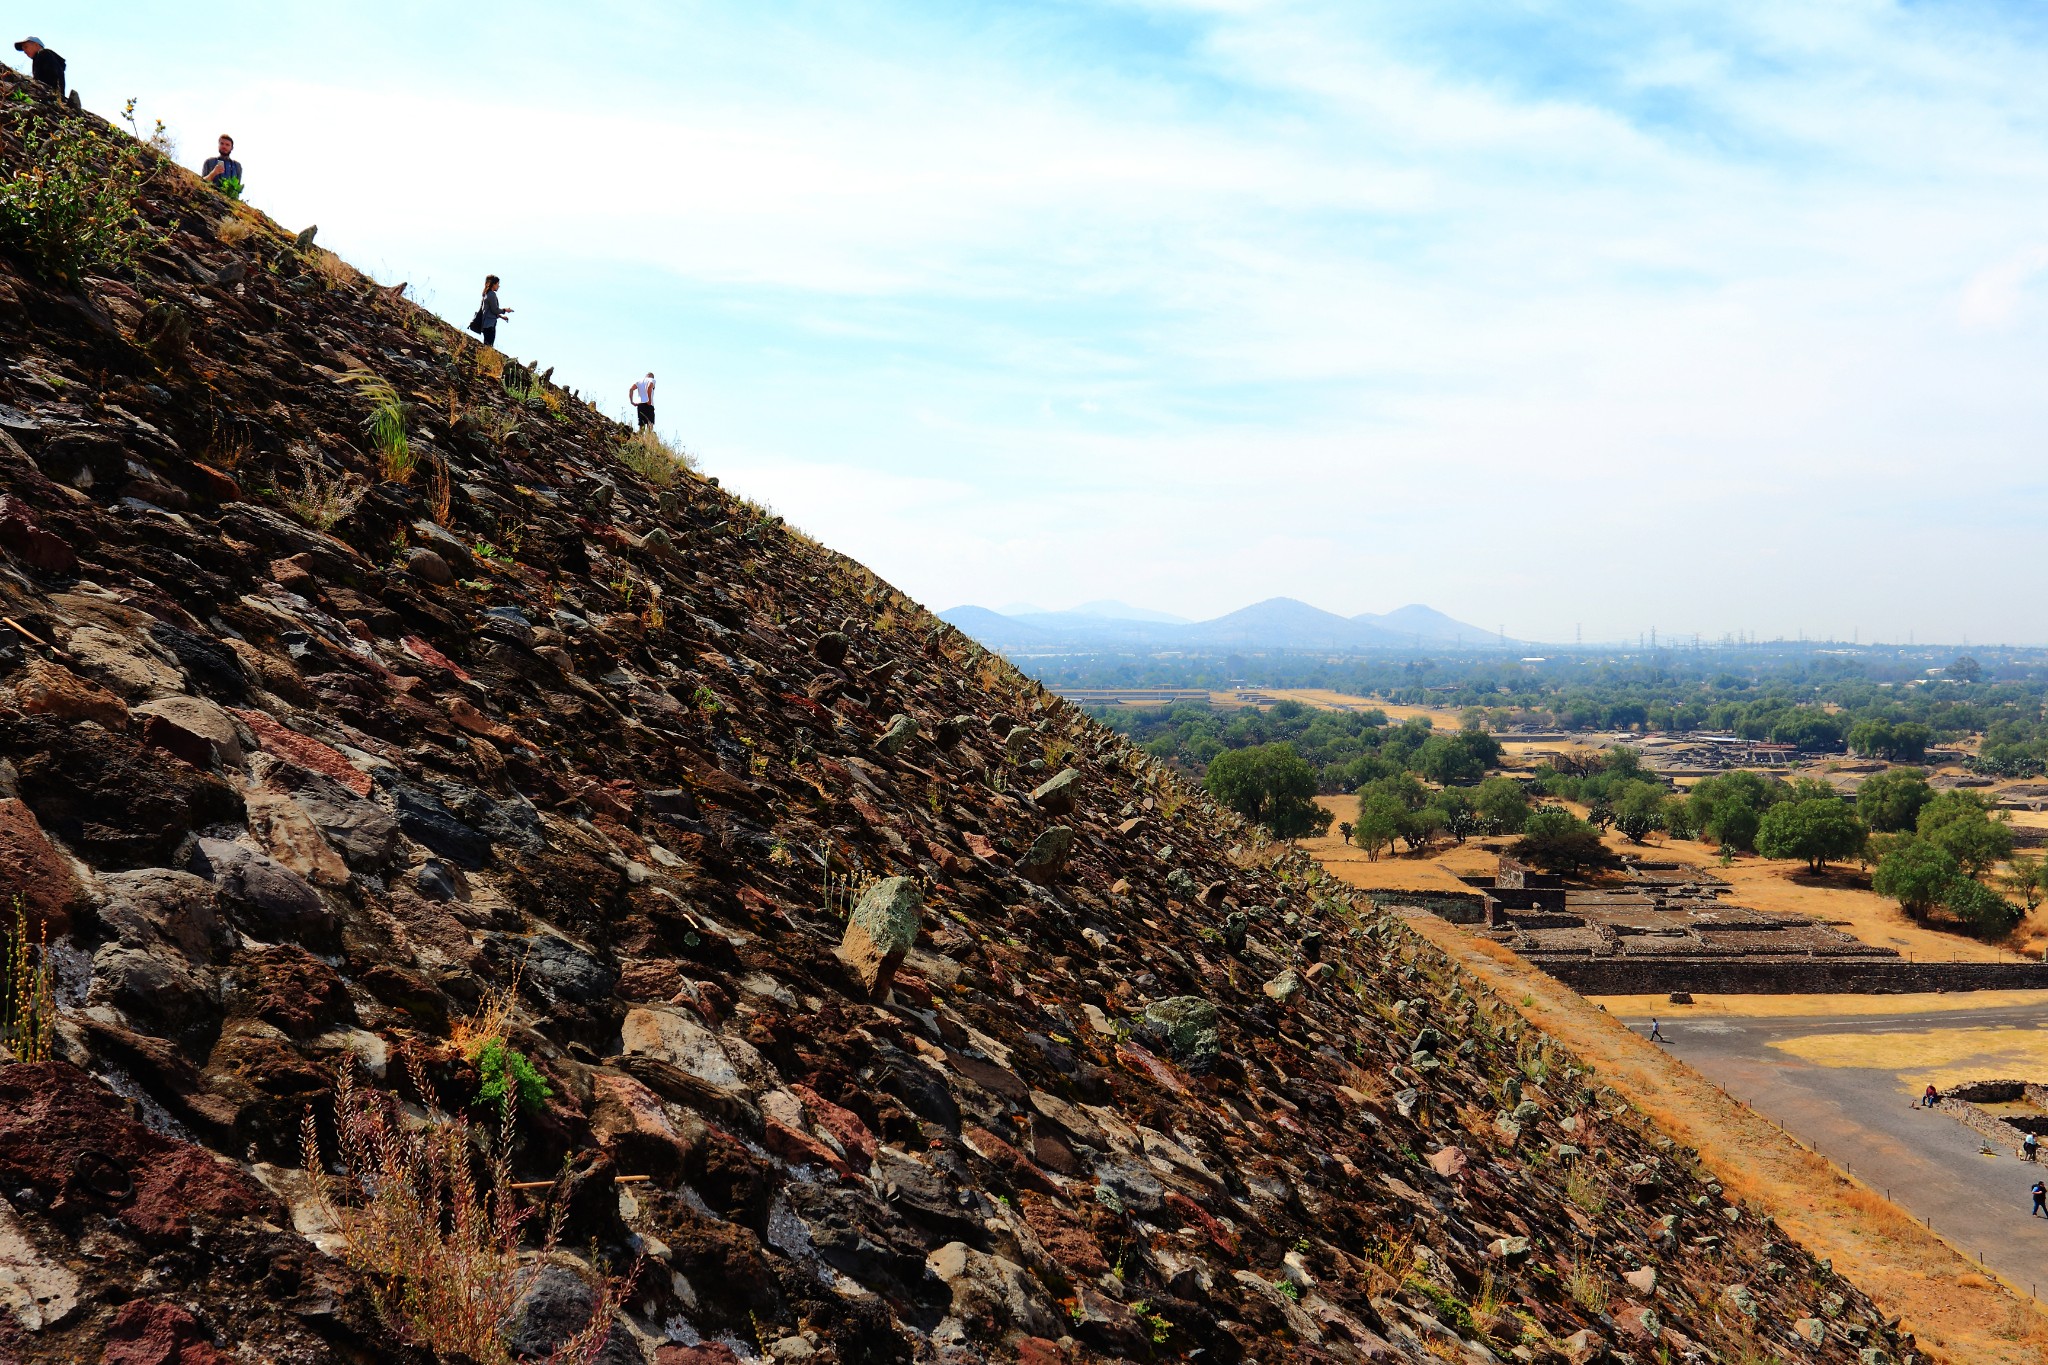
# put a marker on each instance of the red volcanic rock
(42, 875)
(153, 1332)
(307, 753)
(69, 1139)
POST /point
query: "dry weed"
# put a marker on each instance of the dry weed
(28, 1008)
(440, 1254)
(235, 228)
(1587, 1289)
(332, 271)
(653, 459)
(323, 499)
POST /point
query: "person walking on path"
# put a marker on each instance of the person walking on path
(2030, 1147)
(218, 170)
(44, 64)
(2040, 1193)
(1656, 1032)
(485, 323)
(642, 395)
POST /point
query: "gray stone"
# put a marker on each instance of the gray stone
(1283, 987)
(882, 928)
(1058, 794)
(1047, 854)
(1186, 1024)
(428, 567)
(1812, 1331)
(560, 970)
(278, 900)
(678, 1037)
(159, 991)
(992, 1294)
(1510, 1250)
(362, 832)
(557, 1305)
(902, 729)
(1643, 1279)
(446, 544)
(199, 725)
(156, 908)
(831, 648)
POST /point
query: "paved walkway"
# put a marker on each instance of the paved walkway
(1861, 1117)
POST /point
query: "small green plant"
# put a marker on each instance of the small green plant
(386, 425)
(1583, 1190)
(705, 700)
(73, 204)
(28, 1007)
(1290, 1289)
(505, 1069)
(230, 186)
(1157, 1324)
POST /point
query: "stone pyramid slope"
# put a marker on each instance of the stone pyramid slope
(289, 800)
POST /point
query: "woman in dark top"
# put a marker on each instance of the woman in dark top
(490, 312)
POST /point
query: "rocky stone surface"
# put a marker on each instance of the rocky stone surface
(1095, 1080)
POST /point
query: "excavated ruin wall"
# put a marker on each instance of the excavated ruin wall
(1791, 976)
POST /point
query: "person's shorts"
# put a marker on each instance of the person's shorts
(646, 414)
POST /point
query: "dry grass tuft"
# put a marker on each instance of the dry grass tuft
(331, 270)
(653, 459)
(440, 1253)
(321, 499)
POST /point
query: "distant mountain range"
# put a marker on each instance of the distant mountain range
(1276, 623)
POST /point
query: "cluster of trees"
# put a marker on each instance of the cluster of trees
(1885, 704)
(1398, 807)
(1938, 857)
(1345, 749)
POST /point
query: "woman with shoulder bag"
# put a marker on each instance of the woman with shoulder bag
(485, 323)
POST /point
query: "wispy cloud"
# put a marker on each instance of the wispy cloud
(1706, 316)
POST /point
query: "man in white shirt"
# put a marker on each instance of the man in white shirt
(642, 394)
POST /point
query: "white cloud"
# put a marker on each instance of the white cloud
(1633, 315)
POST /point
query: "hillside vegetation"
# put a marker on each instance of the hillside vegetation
(447, 834)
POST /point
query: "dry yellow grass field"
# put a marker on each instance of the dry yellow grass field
(1960, 1314)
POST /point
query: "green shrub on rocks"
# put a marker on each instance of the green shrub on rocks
(73, 208)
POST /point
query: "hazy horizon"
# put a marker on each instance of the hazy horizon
(1704, 318)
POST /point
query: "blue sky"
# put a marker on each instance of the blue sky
(1706, 317)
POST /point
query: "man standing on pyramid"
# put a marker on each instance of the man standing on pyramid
(642, 396)
(44, 64)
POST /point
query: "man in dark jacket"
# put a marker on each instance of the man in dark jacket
(222, 167)
(46, 65)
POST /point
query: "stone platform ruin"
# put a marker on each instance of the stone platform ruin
(1670, 927)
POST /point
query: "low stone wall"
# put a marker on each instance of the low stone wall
(1961, 1103)
(1789, 976)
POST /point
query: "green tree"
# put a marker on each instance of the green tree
(1381, 818)
(1269, 784)
(1502, 804)
(1640, 811)
(1455, 814)
(1965, 669)
(1988, 914)
(1914, 873)
(2027, 875)
(1443, 759)
(1557, 841)
(1890, 802)
(1962, 823)
(1815, 828)
(1728, 807)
